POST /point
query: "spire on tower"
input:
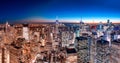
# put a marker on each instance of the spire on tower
(81, 19)
(81, 22)
(93, 22)
(57, 20)
(6, 22)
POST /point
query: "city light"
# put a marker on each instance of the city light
(59, 31)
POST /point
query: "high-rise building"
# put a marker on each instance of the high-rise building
(83, 49)
(102, 52)
(108, 21)
(26, 32)
(100, 26)
(115, 52)
(77, 33)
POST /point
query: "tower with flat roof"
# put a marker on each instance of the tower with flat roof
(25, 32)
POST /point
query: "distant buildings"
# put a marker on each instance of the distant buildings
(75, 42)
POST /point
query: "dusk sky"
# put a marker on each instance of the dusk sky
(66, 10)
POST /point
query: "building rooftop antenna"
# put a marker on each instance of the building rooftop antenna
(81, 22)
(57, 20)
(6, 22)
(93, 21)
(81, 19)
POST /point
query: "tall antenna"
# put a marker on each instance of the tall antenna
(81, 22)
(81, 19)
(56, 20)
(93, 22)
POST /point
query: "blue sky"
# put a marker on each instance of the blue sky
(66, 10)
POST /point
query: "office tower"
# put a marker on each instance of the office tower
(108, 21)
(102, 51)
(83, 49)
(115, 52)
(56, 28)
(100, 26)
(26, 32)
(77, 32)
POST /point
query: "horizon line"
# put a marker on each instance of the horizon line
(40, 20)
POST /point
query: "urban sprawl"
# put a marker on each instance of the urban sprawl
(59, 42)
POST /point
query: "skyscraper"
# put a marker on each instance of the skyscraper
(25, 32)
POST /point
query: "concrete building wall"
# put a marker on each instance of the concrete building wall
(26, 33)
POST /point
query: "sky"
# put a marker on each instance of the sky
(65, 10)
